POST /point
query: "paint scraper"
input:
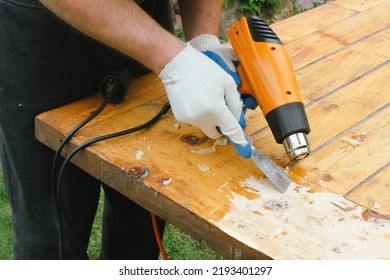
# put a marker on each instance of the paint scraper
(274, 173)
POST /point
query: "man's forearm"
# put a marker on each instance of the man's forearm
(122, 25)
(200, 17)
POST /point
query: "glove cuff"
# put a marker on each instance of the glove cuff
(205, 42)
(181, 61)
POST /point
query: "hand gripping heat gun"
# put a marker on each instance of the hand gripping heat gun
(266, 73)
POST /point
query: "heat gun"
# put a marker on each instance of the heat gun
(267, 74)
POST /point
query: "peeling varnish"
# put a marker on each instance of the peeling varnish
(377, 205)
(277, 205)
(301, 224)
(203, 167)
(139, 154)
(176, 126)
(213, 148)
(167, 181)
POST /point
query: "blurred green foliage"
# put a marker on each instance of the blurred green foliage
(256, 6)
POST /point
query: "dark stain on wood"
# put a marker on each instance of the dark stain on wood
(193, 140)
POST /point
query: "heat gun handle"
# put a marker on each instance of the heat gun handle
(245, 86)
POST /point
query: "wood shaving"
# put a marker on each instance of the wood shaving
(350, 141)
(167, 182)
(176, 126)
(205, 151)
(139, 154)
(203, 167)
(220, 141)
(377, 205)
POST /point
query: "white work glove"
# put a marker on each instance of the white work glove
(224, 57)
(202, 94)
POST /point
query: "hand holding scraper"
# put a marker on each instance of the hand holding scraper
(265, 74)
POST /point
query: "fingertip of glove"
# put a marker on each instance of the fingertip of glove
(243, 151)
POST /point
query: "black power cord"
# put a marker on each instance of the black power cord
(60, 213)
(113, 87)
(162, 112)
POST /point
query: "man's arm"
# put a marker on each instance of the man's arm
(122, 25)
(200, 17)
(199, 91)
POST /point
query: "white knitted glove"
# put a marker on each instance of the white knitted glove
(209, 43)
(224, 57)
(202, 94)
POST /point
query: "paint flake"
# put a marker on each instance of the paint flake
(139, 154)
(203, 167)
(213, 148)
(350, 141)
(176, 126)
(167, 182)
(377, 205)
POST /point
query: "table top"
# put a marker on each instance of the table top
(338, 206)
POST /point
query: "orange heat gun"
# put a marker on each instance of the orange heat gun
(266, 73)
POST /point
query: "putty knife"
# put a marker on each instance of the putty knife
(274, 173)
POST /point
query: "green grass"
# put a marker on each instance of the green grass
(5, 223)
(178, 245)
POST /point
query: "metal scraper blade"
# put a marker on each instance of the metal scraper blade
(274, 173)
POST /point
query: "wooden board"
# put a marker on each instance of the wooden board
(338, 206)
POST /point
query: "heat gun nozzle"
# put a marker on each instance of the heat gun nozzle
(296, 146)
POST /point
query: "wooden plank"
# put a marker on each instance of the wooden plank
(348, 106)
(303, 24)
(333, 38)
(374, 192)
(231, 189)
(382, 10)
(351, 157)
(361, 6)
(343, 67)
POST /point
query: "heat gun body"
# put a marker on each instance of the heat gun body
(267, 74)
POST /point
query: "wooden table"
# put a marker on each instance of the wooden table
(339, 204)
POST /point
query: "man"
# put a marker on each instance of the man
(55, 52)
